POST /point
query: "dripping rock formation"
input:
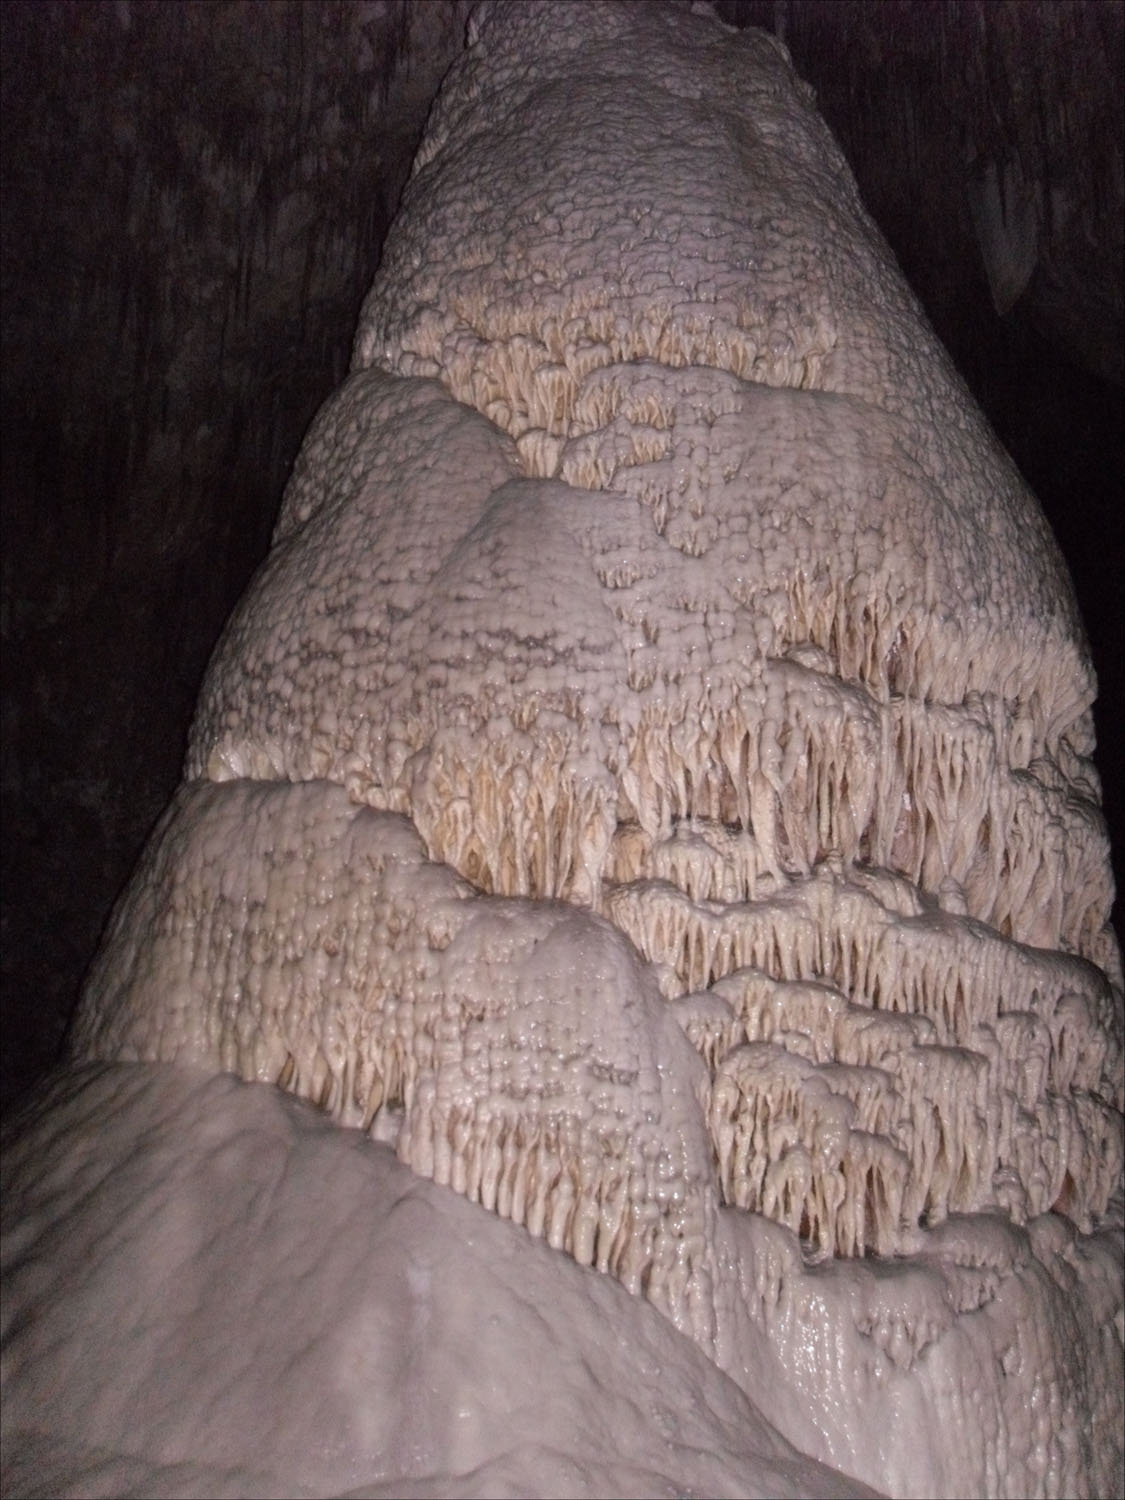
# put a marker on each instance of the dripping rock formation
(648, 786)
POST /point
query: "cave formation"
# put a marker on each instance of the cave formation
(182, 298)
(1001, 273)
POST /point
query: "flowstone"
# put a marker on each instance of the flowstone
(649, 781)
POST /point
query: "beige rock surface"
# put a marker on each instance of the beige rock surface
(648, 783)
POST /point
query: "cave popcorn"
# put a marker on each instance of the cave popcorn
(649, 781)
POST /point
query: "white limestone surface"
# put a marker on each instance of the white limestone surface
(648, 785)
(209, 1289)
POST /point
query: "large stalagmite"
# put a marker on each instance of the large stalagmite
(648, 783)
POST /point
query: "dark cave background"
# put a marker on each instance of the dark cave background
(195, 193)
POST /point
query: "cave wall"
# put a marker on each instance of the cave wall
(195, 197)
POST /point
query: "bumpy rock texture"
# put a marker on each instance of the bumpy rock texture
(652, 577)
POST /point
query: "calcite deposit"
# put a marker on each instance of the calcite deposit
(649, 781)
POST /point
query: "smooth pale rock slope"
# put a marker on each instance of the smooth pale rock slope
(215, 1291)
(648, 787)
